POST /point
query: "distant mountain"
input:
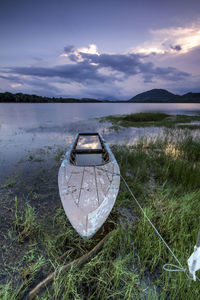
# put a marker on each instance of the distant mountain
(191, 97)
(155, 95)
(163, 96)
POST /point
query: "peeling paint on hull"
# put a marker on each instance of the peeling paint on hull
(88, 193)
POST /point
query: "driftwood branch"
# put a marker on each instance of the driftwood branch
(77, 262)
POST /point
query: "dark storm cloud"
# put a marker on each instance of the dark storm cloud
(89, 69)
(132, 64)
(176, 48)
(80, 72)
(73, 57)
(126, 64)
(69, 49)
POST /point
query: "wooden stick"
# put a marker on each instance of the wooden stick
(79, 261)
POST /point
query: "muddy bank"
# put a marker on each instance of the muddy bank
(33, 182)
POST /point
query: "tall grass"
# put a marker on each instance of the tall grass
(173, 204)
(25, 222)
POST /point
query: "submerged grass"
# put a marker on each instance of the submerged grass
(164, 176)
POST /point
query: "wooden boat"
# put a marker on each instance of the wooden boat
(88, 183)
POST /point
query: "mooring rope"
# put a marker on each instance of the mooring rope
(174, 268)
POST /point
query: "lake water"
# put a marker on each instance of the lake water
(30, 128)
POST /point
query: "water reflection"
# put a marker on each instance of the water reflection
(17, 115)
(88, 142)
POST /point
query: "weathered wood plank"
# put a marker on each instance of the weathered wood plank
(74, 184)
(103, 183)
(88, 197)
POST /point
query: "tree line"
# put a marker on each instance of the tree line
(8, 97)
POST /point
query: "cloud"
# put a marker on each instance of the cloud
(12, 78)
(68, 49)
(75, 54)
(16, 85)
(79, 72)
(85, 72)
(102, 68)
(185, 38)
(176, 48)
(92, 49)
(28, 84)
(124, 63)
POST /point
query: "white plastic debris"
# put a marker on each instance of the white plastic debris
(194, 262)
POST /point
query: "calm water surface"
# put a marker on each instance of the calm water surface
(25, 128)
(58, 114)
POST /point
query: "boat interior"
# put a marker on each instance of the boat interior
(89, 150)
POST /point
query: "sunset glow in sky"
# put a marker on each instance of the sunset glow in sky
(108, 49)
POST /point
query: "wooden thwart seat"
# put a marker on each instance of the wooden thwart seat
(88, 151)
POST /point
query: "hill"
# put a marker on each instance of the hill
(164, 96)
(191, 97)
(155, 95)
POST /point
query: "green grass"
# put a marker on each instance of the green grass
(145, 117)
(163, 174)
(59, 155)
(189, 126)
(150, 119)
(35, 159)
(25, 222)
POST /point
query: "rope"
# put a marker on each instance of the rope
(174, 268)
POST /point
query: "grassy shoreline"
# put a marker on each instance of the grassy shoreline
(163, 174)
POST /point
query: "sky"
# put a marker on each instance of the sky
(104, 49)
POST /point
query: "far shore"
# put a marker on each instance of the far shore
(8, 97)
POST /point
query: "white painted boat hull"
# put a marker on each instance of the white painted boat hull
(88, 193)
